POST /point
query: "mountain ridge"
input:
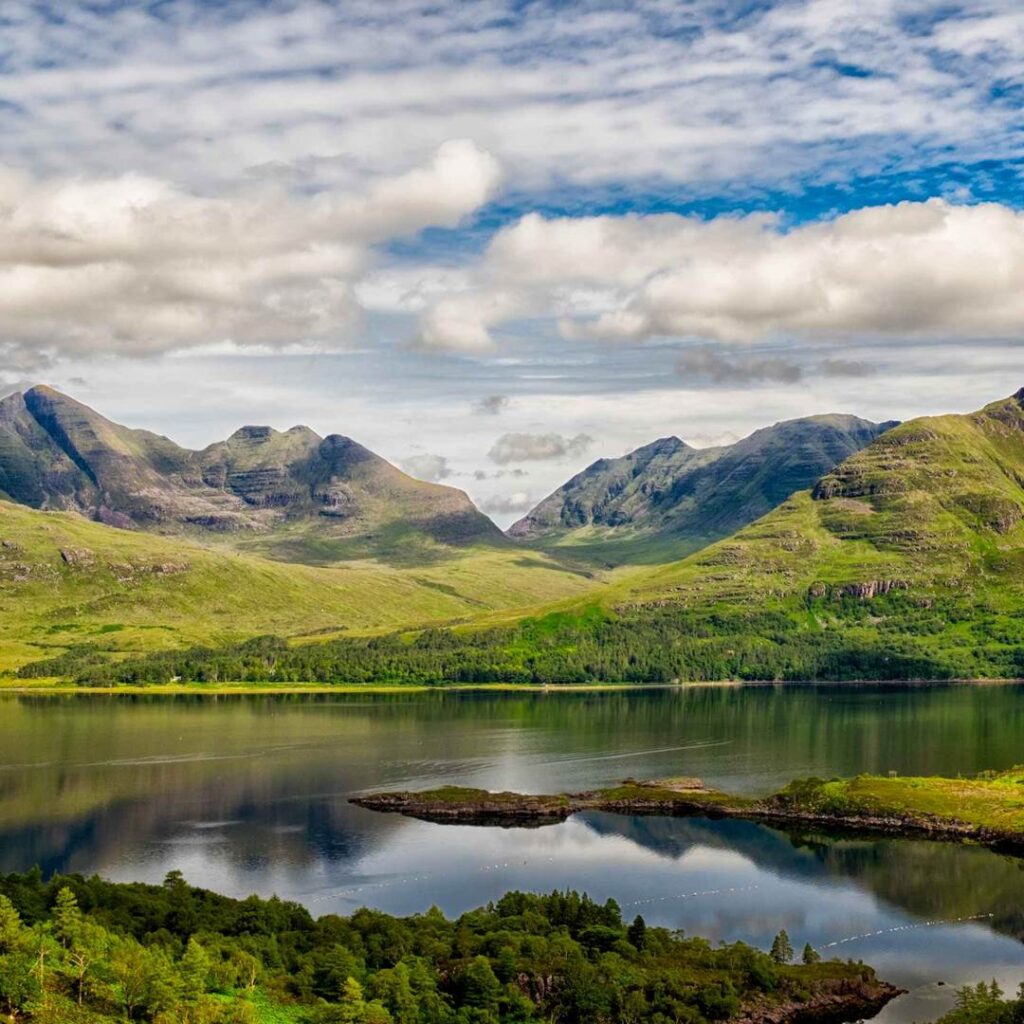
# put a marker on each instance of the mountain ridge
(905, 563)
(57, 453)
(693, 495)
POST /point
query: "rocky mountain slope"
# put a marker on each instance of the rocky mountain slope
(695, 495)
(293, 495)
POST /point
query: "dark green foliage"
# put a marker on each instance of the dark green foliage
(83, 949)
(638, 644)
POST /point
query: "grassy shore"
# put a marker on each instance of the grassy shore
(60, 685)
(988, 808)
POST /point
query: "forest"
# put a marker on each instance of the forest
(892, 637)
(77, 950)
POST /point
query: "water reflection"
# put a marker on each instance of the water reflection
(251, 794)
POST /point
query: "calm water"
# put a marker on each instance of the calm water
(250, 794)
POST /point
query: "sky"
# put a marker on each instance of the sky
(494, 241)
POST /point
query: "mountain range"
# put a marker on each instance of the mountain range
(903, 555)
(296, 496)
(695, 495)
(292, 494)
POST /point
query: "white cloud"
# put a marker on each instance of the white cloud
(427, 466)
(347, 91)
(135, 265)
(534, 447)
(507, 504)
(928, 269)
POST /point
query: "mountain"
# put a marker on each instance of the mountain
(906, 561)
(695, 495)
(292, 494)
(907, 558)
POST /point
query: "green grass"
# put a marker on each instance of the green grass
(991, 800)
(906, 562)
(125, 592)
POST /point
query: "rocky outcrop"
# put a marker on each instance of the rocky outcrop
(863, 591)
(834, 1000)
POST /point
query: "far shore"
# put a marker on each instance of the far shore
(60, 686)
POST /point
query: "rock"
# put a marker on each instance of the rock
(77, 557)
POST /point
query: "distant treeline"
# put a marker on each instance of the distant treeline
(86, 951)
(889, 637)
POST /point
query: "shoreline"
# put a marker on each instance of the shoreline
(870, 805)
(60, 687)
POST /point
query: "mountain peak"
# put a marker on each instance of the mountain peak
(691, 495)
(298, 495)
(663, 446)
(253, 434)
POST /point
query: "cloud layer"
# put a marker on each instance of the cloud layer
(135, 265)
(912, 269)
(317, 90)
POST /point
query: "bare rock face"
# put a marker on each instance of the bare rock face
(56, 453)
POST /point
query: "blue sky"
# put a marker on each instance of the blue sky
(630, 220)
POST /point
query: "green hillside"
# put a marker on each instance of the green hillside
(907, 561)
(932, 510)
(66, 582)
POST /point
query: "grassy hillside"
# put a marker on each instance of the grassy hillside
(67, 582)
(906, 562)
(933, 510)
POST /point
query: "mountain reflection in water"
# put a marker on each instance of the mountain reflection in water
(250, 794)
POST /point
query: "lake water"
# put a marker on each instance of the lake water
(250, 794)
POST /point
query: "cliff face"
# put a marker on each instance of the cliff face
(56, 453)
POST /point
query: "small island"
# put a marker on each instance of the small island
(986, 809)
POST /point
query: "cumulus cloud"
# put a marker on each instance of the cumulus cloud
(135, 265)
(492, 405)
(914, 269)
(535, 447)
(507, 504)
(427, 467)
(713, 365)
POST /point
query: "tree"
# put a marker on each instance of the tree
(17, 982)
(66, 916)
(195, 969)
(145, 978)
(480, 986)
(637, 933)
(782, 949)
(811, 955)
